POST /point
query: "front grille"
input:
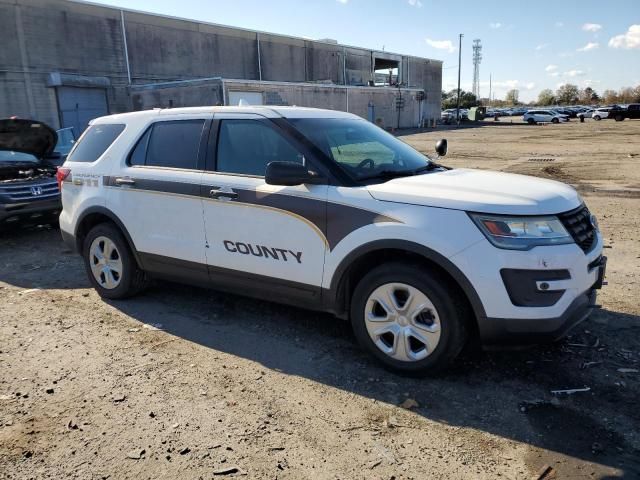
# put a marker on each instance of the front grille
(578, 224)
(30, 191)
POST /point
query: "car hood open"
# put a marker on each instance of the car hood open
(480, 191)
(27, 136)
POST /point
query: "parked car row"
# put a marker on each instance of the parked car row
(553, 114)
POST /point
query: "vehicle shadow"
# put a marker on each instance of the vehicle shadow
(35, 257)
(503, 393)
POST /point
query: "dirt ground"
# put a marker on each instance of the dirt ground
(188, 383)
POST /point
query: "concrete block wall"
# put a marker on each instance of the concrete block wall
(352, 99)
(41, 37)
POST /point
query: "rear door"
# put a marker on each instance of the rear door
(544, 116)
(156, 193)
(259, 236)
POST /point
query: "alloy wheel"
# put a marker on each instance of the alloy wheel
(402, 322)
(105, 262)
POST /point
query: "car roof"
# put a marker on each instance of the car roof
(267, 111)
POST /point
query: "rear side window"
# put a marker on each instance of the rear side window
(174, 144)
(95, 141)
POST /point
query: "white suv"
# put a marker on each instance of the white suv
(324, 210)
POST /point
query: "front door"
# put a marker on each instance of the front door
(261, 236)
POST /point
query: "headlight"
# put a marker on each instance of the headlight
(522, 233)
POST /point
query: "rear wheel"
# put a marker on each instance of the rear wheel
(110, 265)
(555, 120)
(531, 121)
(596, 117)
(619, 118)
(410, 319)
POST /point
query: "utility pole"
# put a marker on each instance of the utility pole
(459, 67)
(489, 89)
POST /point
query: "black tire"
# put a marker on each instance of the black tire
(451, 307)
(132, 281)
(619, 118)
(596, 118)
(531, 121)
(555, 120)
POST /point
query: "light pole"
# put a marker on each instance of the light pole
(459, 67)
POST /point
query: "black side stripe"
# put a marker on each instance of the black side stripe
(334, 220)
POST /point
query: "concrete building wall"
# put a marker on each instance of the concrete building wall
(86, 43)
(363, 101)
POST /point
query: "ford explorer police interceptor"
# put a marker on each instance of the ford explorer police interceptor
(324, 210)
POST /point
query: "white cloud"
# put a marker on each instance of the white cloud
(530, 86)
(542, 46)
(415, 3)
(551, 68)
(628, 40)
(495, 25)
(441, 44)
(559, 24)
(590, 83)
(591, 27)
(573, 73)
(589, 46)
(554, 74)
(342, 1)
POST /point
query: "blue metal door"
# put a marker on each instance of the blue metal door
(79, 105)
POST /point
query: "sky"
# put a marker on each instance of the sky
(528, 45)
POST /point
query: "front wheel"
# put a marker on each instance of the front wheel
(555, 120)
(596, 118)
(110, 265)
(531, 121)
(619, 118)
(409, 319)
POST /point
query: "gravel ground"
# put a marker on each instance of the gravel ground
(189, 383)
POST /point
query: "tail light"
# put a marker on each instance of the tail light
(61, 175)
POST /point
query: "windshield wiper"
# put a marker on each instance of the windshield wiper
(389, 174)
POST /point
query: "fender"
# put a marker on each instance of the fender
(332, 295)
(114, 218)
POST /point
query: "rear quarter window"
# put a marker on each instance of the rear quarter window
(95, 141)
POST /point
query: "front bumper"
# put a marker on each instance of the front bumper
(11, 213)
(539, 330)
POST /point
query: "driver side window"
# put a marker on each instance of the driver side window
(247, 146)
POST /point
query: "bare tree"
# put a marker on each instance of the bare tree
(546, 97)
(610, 96)
(512, 97)
(589, 95)
(567, 94)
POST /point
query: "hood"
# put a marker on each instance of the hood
(27, 136)
(480, 191)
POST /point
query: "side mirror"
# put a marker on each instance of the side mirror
(441, 147)
(289, 174)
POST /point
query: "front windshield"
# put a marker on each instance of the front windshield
(9, 156)
(361, 148)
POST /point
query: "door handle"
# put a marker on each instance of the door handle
(223, 192)
(125, 181)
